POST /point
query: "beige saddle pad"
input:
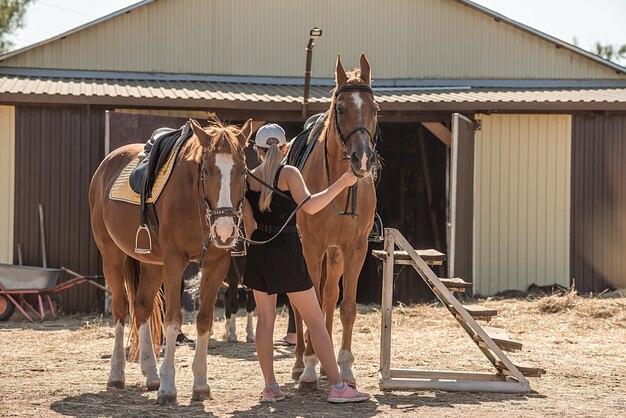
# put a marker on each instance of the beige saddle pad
(122, 191)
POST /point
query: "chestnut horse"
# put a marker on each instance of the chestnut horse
(347, 142)
(201, 203)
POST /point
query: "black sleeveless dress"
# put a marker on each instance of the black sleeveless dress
(278, 266)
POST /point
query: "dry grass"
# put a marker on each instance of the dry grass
(61, 367)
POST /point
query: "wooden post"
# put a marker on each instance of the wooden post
(387, 303)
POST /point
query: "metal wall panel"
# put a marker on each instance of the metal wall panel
(402, 38)
(57, 151)
(522, 202)
(599, 202)
(7, 177)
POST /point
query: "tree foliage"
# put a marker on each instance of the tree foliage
(610, 52)
(11, 18)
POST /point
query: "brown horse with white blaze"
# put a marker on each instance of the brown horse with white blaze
(202, 202)
(347, 141)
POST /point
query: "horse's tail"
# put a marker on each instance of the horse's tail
(131, 280)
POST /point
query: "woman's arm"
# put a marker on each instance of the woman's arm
(318, 201)
(248, 218)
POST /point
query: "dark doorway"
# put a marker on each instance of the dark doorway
(412, 198)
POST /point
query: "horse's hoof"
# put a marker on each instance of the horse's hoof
(153, 385)
(296, 373)
(118, 384)
(201, 394)
(308, 386)
(166, 399)
(250, 339)
(322, 372)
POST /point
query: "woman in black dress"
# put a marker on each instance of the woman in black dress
(279, 266)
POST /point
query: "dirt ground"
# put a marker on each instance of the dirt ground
(60, 368)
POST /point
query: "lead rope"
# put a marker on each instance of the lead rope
(279, 192)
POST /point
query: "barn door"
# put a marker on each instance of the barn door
(461, 191)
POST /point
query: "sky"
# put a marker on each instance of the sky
(588, 21)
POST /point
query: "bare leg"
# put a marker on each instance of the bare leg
(305, 354)
(266, 312)
(307, 304)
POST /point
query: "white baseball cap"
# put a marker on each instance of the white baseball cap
(270, 134)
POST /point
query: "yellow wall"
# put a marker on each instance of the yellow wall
(7, 177)
(402, 38)
(522, 202)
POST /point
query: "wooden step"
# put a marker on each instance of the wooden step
(431, 257)
(525, 370)
(500, 337)
(477, 312)
(456, 284)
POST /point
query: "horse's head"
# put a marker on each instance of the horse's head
(222, 176)
(355, 114)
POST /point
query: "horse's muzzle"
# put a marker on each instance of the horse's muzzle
(361, 163)
(224, 233)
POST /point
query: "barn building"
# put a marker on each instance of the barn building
(504, 147)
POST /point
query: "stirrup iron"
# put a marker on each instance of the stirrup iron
(143, 250)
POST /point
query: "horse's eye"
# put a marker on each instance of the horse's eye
(340, 110)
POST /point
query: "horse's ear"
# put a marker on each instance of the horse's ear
(199, 132)
(340, 74)
(246, 130)
(366, 71)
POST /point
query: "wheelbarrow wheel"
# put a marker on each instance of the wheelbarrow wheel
(6, 308)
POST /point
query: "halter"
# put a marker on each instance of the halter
(211, 215)
(343, 140)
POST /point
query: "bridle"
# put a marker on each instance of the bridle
(343, 139)
(351, 200)
(211, 215)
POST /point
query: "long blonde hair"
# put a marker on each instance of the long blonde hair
(272, 158)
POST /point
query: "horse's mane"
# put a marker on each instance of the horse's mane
(223, 139)
(223, 136)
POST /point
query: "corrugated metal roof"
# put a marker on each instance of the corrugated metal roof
(116, 91)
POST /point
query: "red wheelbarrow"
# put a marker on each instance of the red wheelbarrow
(16, 282)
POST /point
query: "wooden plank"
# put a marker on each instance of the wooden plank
(440, 131)
(501, 338)
(526, 370)
(511, 386)
(456, 284)
(431, 257)
(479, 312)
(387, 305)
(444, 374)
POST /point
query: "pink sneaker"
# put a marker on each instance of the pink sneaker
(346, 394)
(272, 395)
